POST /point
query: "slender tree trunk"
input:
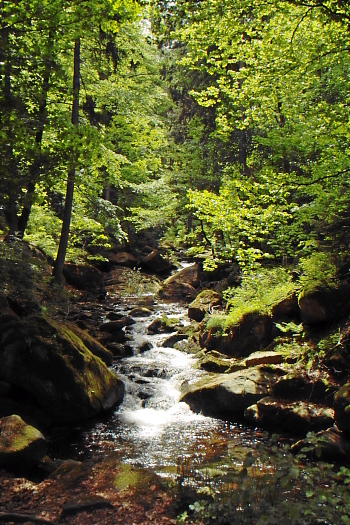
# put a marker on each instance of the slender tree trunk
(62, 250)
(38, 161)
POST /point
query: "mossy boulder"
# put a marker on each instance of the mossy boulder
(254, 331)
(297, 417)
(92, 344)
(215, 362)
(20, 444)
(164, 325)
(51, 363)
(203, 304)
(230, 394)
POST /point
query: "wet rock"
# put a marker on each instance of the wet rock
(84, 277)
(230, 394)
(114, 316)
(268, 357)
(123, 259)
(328, 445)
(156, 262)
(164, 325)
(301, 387)
(119, 350)
(253, 332)
(140, 311)
(20, 444)
(342, 407)
(203, 304)
(145, 347)
(51, 363)
(324, 304)
(114, 326)
(297, 417)
(170, 342)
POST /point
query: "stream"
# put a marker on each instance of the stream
(152, 428)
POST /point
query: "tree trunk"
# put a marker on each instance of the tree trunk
(36, 167)
(62, 250)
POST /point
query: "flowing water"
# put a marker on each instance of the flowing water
(152, 428)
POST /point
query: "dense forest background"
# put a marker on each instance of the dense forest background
(218, 128)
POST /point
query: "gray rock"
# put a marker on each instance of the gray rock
(230, 394)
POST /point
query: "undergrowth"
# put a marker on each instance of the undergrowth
(258, 292)
(273, 486)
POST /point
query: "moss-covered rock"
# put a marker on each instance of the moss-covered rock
(51, 363)
(203, 304)
(254, 331)
(92, 344)
(215, 362)
(164, 325)
(20, 443)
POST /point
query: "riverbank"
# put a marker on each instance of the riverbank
(160, 354)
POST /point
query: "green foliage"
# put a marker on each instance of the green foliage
(318, 270)
(259, 292)
(272, 486)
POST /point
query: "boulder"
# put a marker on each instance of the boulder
(84, 277)
(253, 332)
(120, 350)
(140, 311)
(190, 275)
(297, 417)
(92, 344)
(177, 291)
(21, 445)
(51, 363)
(328, 445)
(324, 304)
(230, 394)
(114, 326)
(342, 407)
(286, 309)
(215, 362)
(171, 341)
(164, 325)
(302, 387)
(123, 259)
(155, 262)
(203, 304)
(267, 357)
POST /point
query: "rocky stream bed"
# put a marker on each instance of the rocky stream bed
(186, 415)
